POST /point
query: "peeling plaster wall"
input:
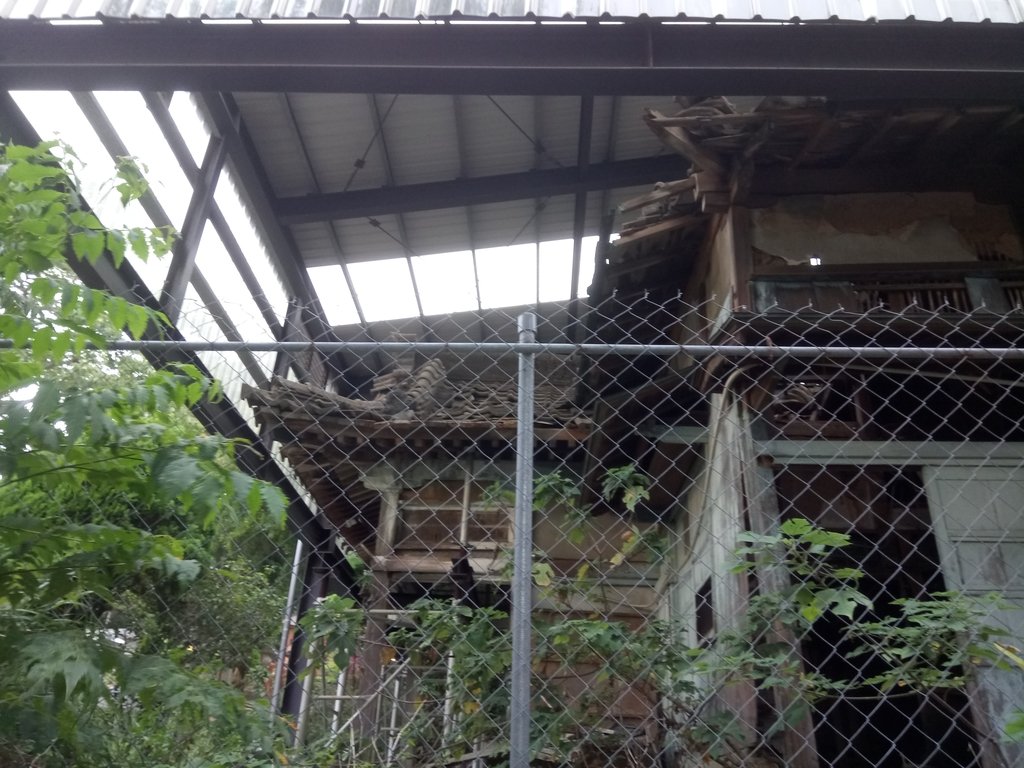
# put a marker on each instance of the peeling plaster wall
(883, 228)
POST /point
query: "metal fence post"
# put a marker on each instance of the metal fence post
(522, 580)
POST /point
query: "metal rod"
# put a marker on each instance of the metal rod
(372, 698)
(286, 625)
(305, 703)
(449, 679)
(522, 581)
(626, 350)
(339, 693)
(392, 748)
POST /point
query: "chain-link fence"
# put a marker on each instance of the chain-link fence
(643, 533)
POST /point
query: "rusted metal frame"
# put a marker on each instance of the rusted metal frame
(116, 148)
(536, 183)
(172, 135)
(186, 246)
(403, 234)
(244, 161)
(903, 60)
(300, 140)
(460, 143)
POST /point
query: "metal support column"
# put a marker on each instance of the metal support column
(522, 579)
(314, 581)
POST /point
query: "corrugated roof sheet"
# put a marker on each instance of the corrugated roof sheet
(436, 138)
(1000, 11)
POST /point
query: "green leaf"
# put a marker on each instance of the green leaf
(274, 501)
(88, 245)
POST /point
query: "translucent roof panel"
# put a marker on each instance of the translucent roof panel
(384, 288)
(447, 282)
(138, 130)
(556, 268)
(219, 271)
(335, 297)
(508, 276)
(190, 124)
(246, 234)
(56, 115)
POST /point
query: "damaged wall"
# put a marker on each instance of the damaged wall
(883, 228)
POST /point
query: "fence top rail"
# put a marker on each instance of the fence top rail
(557, 348)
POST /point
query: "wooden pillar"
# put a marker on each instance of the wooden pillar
(729, 593)
(762, 506)
(376, 593)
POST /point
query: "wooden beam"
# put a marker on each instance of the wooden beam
(990, 182)
(890, 452)
(680, 140)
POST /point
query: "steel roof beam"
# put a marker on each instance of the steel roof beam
(477, 191)
(460, 145)
(332, 233)
(187, 244)
(176, 143)
(389, 174)
(183, 260)
(251, 177)
(890, 60)
(586, 131)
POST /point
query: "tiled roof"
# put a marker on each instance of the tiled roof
(426, 394)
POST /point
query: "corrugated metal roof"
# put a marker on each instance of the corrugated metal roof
(433, 139)
(1000, 11)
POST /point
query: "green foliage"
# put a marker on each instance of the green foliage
(106, 488)
(929, 645)
(1014, 730)
(479, 652)
(805, 552)
(332, 627)
(627, 481)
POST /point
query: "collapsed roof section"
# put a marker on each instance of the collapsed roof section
(754, 151)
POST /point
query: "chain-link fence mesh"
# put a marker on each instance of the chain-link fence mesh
(774, 538)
